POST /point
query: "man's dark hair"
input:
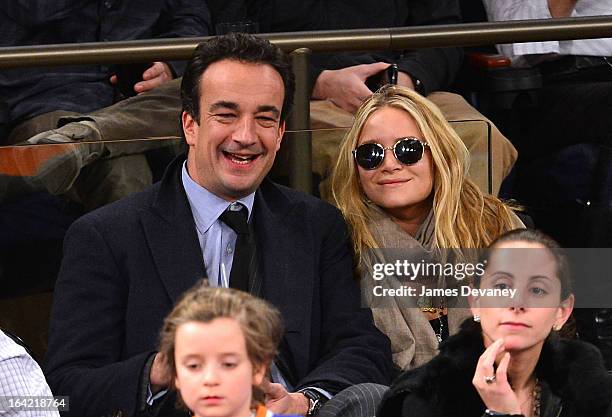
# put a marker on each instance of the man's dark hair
(239, 47)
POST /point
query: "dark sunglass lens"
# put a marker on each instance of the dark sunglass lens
(369, 155)
(409, 151)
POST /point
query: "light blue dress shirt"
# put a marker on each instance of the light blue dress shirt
(217, 240)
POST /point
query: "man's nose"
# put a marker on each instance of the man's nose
(245, 132)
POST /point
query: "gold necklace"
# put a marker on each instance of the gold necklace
(535, 393)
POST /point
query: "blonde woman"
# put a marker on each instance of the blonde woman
(401, 182)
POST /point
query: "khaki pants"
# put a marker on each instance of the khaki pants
(121, 171)
(157, 114)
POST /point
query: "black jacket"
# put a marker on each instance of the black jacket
(574, 381)
(435, 67)
(127, 263)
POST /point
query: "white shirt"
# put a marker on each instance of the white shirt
(20, 376)
(502, 10)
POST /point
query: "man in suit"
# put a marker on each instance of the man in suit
(126, 264)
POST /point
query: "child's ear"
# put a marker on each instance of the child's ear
(259, 373)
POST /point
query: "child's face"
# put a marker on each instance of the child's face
(213, 372)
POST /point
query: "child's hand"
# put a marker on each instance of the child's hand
(279, 401)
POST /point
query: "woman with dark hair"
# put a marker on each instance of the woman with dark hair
(510, 361)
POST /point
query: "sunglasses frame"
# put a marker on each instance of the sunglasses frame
(389, 148)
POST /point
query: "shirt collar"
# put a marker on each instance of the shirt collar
(206, 206)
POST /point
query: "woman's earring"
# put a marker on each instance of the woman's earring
(476, 318)
(556, 327)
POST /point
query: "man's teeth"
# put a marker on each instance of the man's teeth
(239, 159)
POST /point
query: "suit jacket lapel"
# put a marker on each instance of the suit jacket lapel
(171, 234)
(284, 250)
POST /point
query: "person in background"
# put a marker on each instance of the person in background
(42, 99)
(337, 80)
(567, 137)
(401, 182)
(573, 71)
(20, 378)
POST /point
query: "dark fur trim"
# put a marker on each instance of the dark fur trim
(573, 370)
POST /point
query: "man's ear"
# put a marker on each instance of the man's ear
(190, 128)
(281, 133)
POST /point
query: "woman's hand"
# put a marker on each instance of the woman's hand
(497, 394)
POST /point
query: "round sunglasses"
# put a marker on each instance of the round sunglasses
(407, 150)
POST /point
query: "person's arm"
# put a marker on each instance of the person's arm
(177, 19)
(31, 13)
(346, 87)
(505, 10)
(561, 8)
(352, 350)
(502, 10)
(85, 358)
(435, 68)
(20, 376)
(183, 19)
(341, 77)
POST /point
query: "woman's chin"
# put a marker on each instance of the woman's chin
(515, 344)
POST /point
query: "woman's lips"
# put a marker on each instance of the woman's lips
(515, 324)
(392, 181)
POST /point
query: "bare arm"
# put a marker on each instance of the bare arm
(561, 8)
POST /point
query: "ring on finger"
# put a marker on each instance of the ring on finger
(489, 379)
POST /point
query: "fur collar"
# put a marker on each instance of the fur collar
(571, 371)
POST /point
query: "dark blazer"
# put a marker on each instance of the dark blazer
(573, 378)
(127, 263)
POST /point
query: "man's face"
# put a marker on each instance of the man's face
(233, 146)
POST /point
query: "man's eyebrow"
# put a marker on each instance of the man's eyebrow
(272, 109)
(223, 105)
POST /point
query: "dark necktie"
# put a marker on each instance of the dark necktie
(237, 221)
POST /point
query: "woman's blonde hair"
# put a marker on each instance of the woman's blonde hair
(464, 217)
(259, 321)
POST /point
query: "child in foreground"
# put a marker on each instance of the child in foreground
(219, 343)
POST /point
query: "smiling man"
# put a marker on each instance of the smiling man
(216, 215)
(234, 135)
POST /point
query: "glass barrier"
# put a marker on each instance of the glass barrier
(44, 188)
